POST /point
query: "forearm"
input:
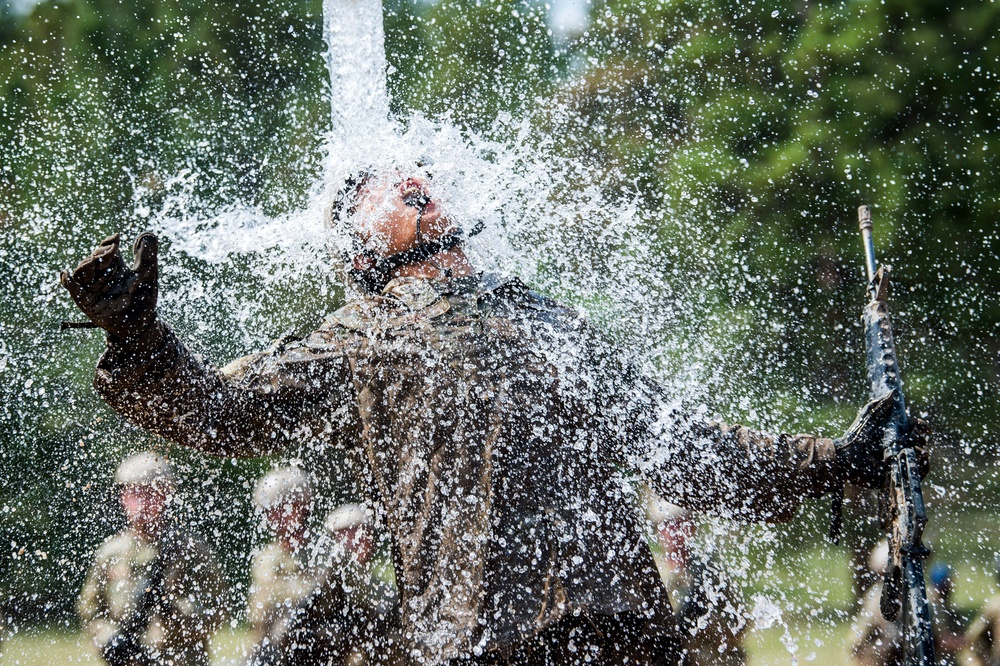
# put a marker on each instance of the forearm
(738, 472)
(158, 384)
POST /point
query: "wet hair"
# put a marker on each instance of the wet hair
(346, 198)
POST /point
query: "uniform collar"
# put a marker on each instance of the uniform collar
(407, 299)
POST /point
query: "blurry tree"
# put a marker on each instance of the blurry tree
(106, 107)
(469, 60)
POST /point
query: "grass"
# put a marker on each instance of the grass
(48, 647)
(797, 588)
(800, 643)
(820, 643)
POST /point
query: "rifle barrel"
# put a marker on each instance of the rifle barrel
(865, 222)
(902, 511)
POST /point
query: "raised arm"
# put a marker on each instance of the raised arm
(255, 406)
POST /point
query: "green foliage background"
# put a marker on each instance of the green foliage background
(767, 125)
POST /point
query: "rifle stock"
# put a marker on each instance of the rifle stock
(901, 506)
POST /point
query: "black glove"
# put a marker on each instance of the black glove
(119, 299)
(860, 457)
(859, 450)
(124, 649)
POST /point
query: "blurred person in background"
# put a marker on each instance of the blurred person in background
(708, 608)
(983, 635)
(352, 616)
(946, 619)
(876, 641)
(154, 594)
(281, 574)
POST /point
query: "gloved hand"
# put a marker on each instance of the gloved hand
(119, 299)
(860, 456)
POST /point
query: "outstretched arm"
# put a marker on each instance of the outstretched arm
(251, 408)
(729, 470)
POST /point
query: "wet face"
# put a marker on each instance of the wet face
(394, 213)
(145, 509)
(675, 536)
(355, 541)
(288, 520)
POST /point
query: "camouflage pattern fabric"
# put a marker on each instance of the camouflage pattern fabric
(495, 425)
(983, 636)
(875, 640)
(280, 580)
(177, 634)
(709, 611)
(352, 618)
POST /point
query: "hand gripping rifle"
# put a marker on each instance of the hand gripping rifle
(901, 505)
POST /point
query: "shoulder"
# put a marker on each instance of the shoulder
(116, 546)
(291, 351)
(992, 608)
(511, 296)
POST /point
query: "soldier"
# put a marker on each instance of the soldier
(352, 618)
(983, 635)
(494, 423)
(946, 619)
(154, 592)
(281, 573)
(875, 640)
(707, 607)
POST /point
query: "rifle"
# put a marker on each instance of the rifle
(901, 503)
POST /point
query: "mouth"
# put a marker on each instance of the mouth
(414, 195)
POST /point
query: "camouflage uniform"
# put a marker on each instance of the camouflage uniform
(280, 580)
(351, 619)
(493, 422)
(710, 615)
(281, 575)
(178, 631)
(875, 640)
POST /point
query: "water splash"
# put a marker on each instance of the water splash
(359, 102)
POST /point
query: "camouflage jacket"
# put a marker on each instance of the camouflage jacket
(352, 617)
(983, 635)
(495, 425)
(177, 633)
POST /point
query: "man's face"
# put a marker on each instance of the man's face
(356, 541)
(675, 536)
(394, 213)
(289, 518)
(145, 509)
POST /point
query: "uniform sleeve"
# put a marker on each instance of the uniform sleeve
(262, 582)
(254, 407)
(702, 465)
